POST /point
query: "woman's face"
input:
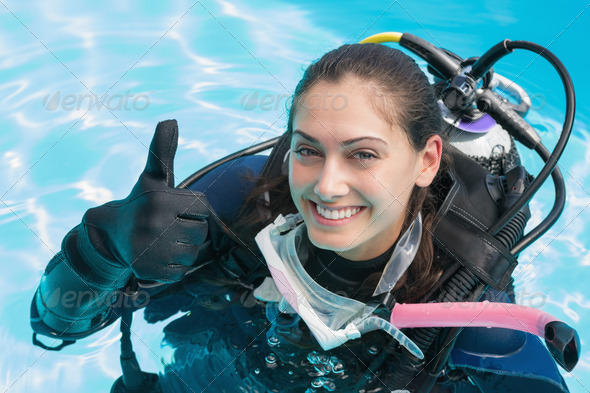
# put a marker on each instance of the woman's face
(351, 173)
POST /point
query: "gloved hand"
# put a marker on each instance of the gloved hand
(156, 233)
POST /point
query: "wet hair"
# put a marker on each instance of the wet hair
(401, 93)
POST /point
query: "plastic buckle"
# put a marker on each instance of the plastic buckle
(64, 343)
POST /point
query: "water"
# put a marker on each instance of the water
(201, 63)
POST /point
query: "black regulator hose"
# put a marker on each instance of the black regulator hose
(553, 215)
(186, 183)
(479, 69)
(446, 66)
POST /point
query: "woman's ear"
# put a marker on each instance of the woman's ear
(429, 161)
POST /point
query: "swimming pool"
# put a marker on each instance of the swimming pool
(224, 71)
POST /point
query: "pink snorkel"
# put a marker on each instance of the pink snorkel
(562, 340)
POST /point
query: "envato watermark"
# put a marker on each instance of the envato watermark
(326, 100)
(275, 102)
(76, 299)
(509, 101)
(538, 101)
(87, 101)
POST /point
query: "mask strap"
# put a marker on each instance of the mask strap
(401, 258)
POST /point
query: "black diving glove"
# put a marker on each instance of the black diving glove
(156, 233)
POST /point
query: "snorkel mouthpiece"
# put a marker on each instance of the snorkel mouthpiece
(563, 343)
(332, 319)
(375, 323)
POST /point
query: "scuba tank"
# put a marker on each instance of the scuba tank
(483, 125)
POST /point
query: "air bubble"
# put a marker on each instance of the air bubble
(338, 368)
(373, 349)
(329, 386)
(271, 358)
(317, 383)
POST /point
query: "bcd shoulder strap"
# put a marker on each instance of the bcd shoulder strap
(466, 212)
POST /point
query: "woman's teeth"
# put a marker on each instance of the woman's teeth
(337, 214)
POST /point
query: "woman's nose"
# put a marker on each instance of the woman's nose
(332, 182)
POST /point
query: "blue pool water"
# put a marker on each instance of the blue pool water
(209, 64)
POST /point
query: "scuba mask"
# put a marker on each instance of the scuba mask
(332, 319)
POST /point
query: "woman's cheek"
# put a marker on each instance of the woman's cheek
(296, 181)
(299, 175)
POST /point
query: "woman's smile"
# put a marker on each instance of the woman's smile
(334, 215)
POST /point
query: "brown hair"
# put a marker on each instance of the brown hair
(404, 97)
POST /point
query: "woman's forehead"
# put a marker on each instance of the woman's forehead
(343, 127)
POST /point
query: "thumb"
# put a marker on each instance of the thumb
(160, 162)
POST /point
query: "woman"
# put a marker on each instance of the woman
(364, 132)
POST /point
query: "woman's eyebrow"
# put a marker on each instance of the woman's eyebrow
(306, 136)
(345, 143)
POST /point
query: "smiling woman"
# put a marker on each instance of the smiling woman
(352, 159)
(373, 156)
(368, 181)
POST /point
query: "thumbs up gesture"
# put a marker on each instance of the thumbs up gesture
(155, 233)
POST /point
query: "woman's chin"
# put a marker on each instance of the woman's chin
(330, 242)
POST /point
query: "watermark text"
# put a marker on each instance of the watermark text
(86, 101)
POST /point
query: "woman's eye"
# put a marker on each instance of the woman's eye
(306, 152)
(364, 155)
